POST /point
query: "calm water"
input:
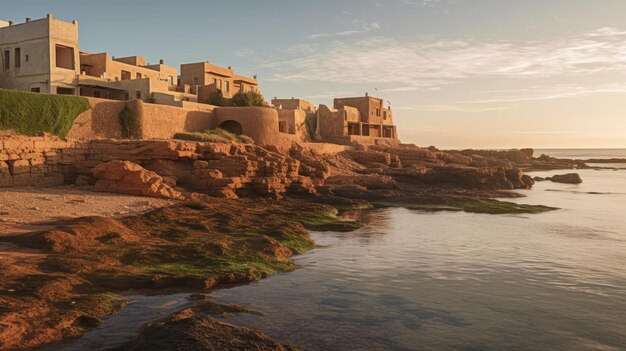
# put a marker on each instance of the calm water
(446, 281)
(582, 153)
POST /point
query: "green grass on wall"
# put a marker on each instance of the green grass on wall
(32, 113)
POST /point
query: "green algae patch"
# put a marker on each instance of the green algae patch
(33, 114)
(466, 204)
(86, 262)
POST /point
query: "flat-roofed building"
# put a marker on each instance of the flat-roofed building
(39, 56)
(205, 78)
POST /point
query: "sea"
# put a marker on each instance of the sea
(415, 280)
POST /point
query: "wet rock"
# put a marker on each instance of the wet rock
(188, 331)
(570, 178)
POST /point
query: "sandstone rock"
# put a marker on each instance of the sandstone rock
(369, 181)
(570, 178)
(130, 178)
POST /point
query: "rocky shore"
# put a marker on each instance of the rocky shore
(238, 213)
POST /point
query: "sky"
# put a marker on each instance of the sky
(457, 73)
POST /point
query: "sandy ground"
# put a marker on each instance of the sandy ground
(26, 209)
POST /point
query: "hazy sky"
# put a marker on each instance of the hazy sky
(458, 73)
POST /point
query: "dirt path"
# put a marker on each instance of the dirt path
(21, 209)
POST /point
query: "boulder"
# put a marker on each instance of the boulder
(570, 178)
(130, 178)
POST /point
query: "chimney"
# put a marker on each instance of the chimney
(10, 23)
(49, 16)
(28, 19)
(229, 67)
(75, 22)
(255, 76)
(161, 61)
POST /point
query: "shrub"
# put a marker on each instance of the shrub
(214, 136)
(129, 121)
(216, 98)
(248, 98)
(33, 113)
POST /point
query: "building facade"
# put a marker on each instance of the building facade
(205, 78)
(44, 56)
(356, 119)
(40, 56)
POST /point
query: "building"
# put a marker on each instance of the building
(44, 56)
(295, 117)
(130, 78)
(205, 78)
(356, 119)
(293, 104)
(40, 56)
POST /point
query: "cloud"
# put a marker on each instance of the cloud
(364, 29)
(438, 63)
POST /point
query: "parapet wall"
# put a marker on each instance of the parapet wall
(259, 123)
(157, 121)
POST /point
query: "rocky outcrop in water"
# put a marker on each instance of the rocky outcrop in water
(570, 178)
(188, 331)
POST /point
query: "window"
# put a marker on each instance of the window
(282, 127)
(18, 58)
(35, 90)
(26, 57)
(138, 75)
(65, 91)
(170, 80)
(384, 114)
(64, 57)
(138, 94)
(227, 86)
(125, 75)
(7, 60)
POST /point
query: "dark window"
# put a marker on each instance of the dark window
(26, 57)
(139, 75)
(138, 94)
(64, 57)
(65, 91)
(125, 75)
(18, 57)
(7, 60)
(35, 90)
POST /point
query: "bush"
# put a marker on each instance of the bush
(214, 136)
(248, 98)
(216, 98)
(33, 113)
(129, 121)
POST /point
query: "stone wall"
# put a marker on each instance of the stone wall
(259, 123)
(220, 169)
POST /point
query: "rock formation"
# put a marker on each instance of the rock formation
(569, 178)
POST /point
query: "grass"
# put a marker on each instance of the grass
(33, 114)
(214, 136)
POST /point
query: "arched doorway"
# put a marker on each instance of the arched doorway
(232, 126)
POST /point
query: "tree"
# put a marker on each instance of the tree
(248, 98)
(216, 98)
